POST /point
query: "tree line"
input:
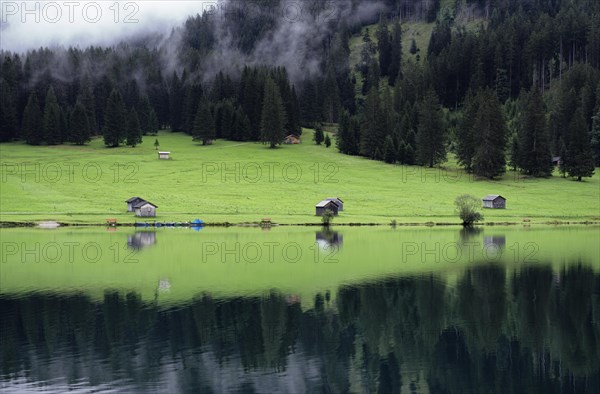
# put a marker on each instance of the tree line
(474, 92)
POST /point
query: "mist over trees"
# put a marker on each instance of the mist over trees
(378, 101)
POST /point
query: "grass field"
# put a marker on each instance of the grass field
(246, 182)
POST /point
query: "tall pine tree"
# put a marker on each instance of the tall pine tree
(490, 158)
(431, 136)
(134, 131)
(535, 158)
(466, 143)
(115, 120)
(79, 126)
(32, 121)
(273, 117)
(204, 123)
(53, 132)
(579, 162)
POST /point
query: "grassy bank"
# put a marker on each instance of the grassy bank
(246, 182)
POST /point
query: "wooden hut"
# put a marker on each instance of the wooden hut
(145, 209)
(339, 202)
(164, 155)
(327, 205)
(494, 202)
(132, 202)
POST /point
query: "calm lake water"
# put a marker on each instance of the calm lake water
(415, 310)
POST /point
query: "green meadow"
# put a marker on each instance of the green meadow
(232, 182)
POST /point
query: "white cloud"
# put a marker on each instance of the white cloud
(32, 24)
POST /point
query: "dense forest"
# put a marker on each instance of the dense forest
(520, 88)
(532, 331)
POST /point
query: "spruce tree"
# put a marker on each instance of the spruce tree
(490, 159)
(394, 69)
(52, 119)
(204, 123)
(595, 134)
(580, 158)
(273, 116)
(79, 127)
(115, 120)
(144, 115)
(466, 143)
(515, 153)
(431, 136)
(319, 137)
(413, 47)
(535, 157)
(32, 121)
(327, 141)
(8, 112)
(390, 152)
(134, 131)
(410, 143)
(371, 134)
(87, 99)
(153, 123)
(384, 47)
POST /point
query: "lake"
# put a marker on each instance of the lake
(297, 309)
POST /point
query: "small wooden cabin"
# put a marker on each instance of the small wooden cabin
(132, 202)
(145, 209)
(327, 205)
(557, 161)
(339, 202)
(292, 139)
(494, 202)
(164, 155)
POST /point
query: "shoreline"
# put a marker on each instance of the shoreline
(59, 224)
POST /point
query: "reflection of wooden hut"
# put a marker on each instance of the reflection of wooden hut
(326, 205)
(141, 240)
(292, 139)
(496, 240)
(145, 209)
(329, 239)
(494, 202)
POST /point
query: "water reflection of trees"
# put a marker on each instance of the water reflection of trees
(529, 331)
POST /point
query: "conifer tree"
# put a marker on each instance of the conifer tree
(53, 133)
(384, 47)
(490, 159)
(431, 136)
(580, 159)
(32, 121)
(319, 137)
(390, 152)
(8, 112)
(134, 131)
(394, 69)
(371, 134)
(466, 143)
(327, 141)
(79, 125)
(535, 158)
(204, 123)
(595, 143)
(273, 116)
(115, 120)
